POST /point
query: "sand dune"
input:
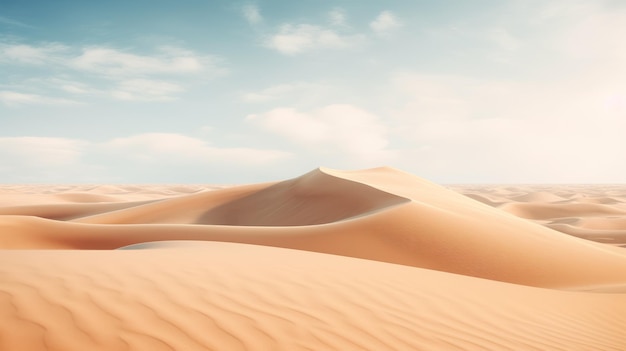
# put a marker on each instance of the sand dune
(595, 213)
(542, 196)
(414, 266)
(66, 212)
(314, 198)
(547, 210)
(37, 194)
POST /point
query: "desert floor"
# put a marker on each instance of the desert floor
(374, 259)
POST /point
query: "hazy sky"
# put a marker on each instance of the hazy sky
(207, 91)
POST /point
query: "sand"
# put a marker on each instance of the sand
(375, 259)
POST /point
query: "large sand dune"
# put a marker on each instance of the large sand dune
(415, 266)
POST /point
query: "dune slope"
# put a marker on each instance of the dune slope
(224, 296)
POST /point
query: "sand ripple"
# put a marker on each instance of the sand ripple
(228, 296)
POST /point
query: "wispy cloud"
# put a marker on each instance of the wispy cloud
(385, 22)
(295, 39)
(251, 13)
(124, 75)
(114, 62)
(268, 94)
(29, 54)
(337, 17)
(75, 88)
(146, 90)
(12, 98)
(109, 61)
(13, 22)
(286, 90)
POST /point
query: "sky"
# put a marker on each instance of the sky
(211, 91)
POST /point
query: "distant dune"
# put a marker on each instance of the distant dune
(593, 212)
(375, 259)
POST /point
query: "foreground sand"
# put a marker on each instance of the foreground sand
(415, 266)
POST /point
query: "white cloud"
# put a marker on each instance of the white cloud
(75, 88)
(268, 94)
(295, 39)
(64, 83)
(109, 61)
(103, 72)
(385, 22)
(172, 149)
(294, 91)
(102, 60)
(12, 98)
(28, 54)
(251, 13)
(337, 128)
(337, 17)
(293, 125)
(146, 90)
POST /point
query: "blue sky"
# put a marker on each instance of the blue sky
(234, 92)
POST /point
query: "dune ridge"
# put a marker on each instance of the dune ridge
(374, 259)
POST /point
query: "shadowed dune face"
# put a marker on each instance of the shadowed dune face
(315, 198)
(185, 276)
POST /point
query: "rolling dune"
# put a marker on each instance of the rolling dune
(412, 266)
(593, 212)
